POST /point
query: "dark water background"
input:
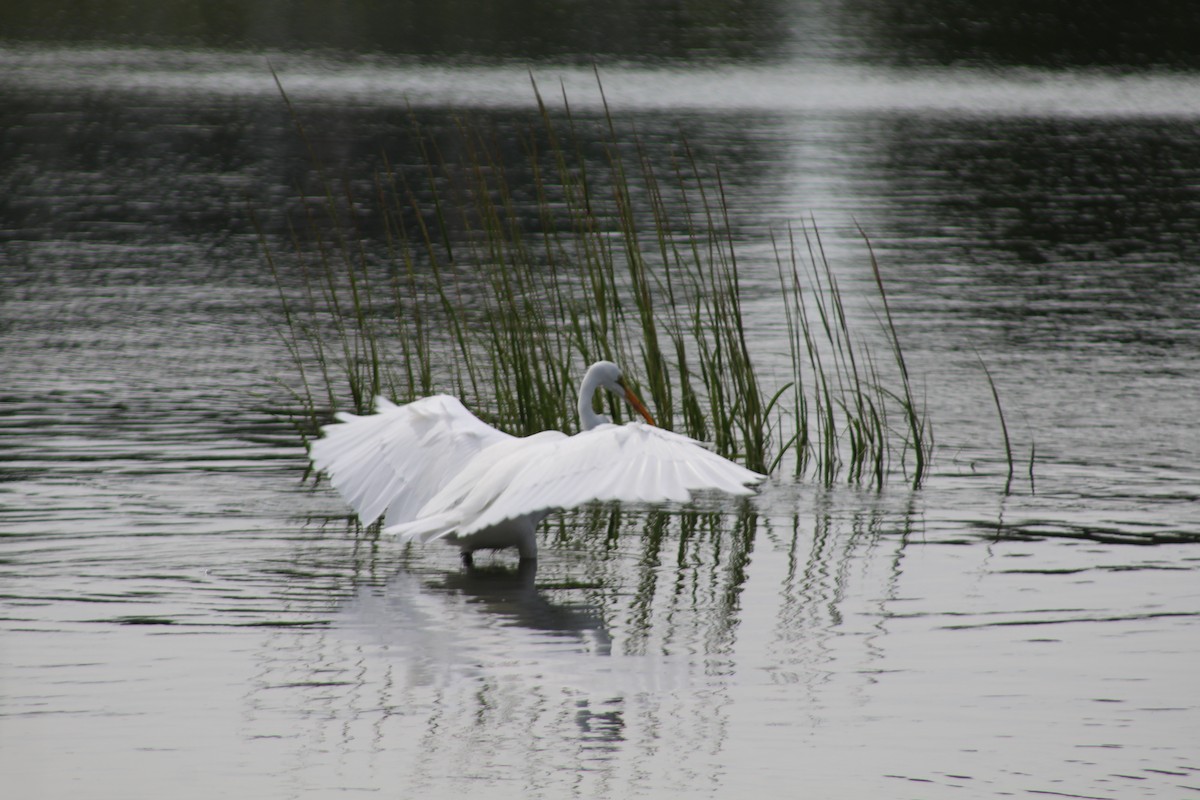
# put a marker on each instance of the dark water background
(180, 614)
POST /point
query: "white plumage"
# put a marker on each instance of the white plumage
(433, 470)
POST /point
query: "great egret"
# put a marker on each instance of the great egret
(436, 471)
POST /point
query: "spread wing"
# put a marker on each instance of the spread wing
(395, 460)
(633, 463)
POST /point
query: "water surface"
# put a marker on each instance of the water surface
(180, 612)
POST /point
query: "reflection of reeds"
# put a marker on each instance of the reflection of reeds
(499, 282)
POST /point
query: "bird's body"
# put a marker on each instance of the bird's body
(435, 471)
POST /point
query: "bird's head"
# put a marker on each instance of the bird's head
(607, 375)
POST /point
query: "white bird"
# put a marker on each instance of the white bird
(434, 470)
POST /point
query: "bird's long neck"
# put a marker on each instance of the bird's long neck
(588, 418)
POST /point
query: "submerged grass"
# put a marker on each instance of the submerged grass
(499, 282)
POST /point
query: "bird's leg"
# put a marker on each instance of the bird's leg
(526, 570)
(468, 560)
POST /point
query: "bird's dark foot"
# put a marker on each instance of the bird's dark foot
(468, 560)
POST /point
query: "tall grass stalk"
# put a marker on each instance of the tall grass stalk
(920, 442)
(1008, 452)
(500, 281)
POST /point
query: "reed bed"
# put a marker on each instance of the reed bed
(499, 282)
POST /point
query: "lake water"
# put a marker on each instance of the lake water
(182, 615)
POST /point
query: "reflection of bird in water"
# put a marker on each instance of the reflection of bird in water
(438, 472)
(514, 595)
(487, 615)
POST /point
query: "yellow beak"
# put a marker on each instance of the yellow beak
(637, 404)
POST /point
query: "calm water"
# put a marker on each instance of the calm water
(181, 615)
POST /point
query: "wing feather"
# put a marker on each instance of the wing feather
(628, 463)
(392, 462)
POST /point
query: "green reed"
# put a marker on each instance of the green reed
(499, 282)
(1008, 452)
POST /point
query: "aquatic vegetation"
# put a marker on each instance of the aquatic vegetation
(498, 280)
(1008, 453)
